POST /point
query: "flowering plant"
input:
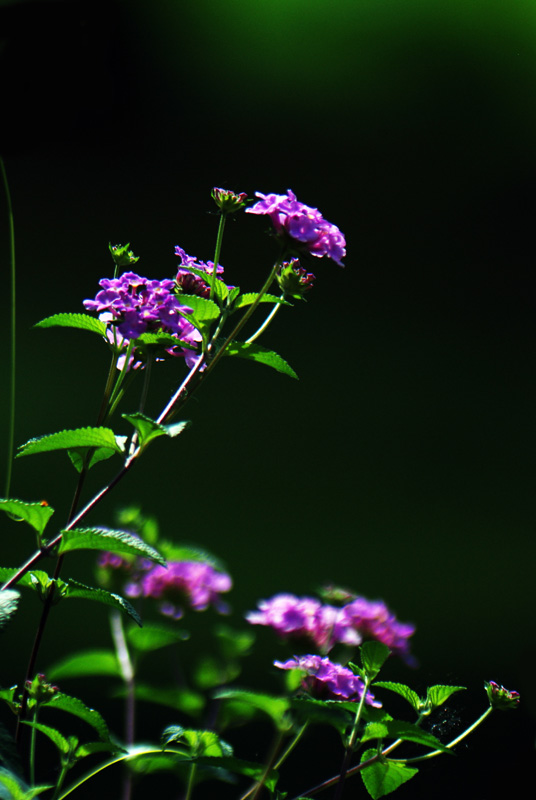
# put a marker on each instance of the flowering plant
(151, 584)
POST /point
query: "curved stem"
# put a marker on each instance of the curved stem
(219, 240)
(266, 322)
(12, 371)
(352, 740)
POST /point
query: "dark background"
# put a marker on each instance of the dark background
(402, 462)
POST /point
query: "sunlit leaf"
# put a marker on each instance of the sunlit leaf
(403, 690)
(107, 539)
(36, 515)
(9, 600)
(437, 695)
(77, 589)
(59, 740)
(254, 352)
(72, 705)
(384, 777)
(69, 439)
(87, 662)
(82, 321)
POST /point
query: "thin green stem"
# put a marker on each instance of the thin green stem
(352, 739)
(64, 769)
(291, 746)
(13, 349)
(266, 322)
(217, 251)
(191, 781)
(32, 750)
(450, 745)
(257, 786)
(128, 676)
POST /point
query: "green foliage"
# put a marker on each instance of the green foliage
(186, 700)
(275, 707)
(404, 691)
(254, 352)
(148, 429)
(373, 657)
(437, 695)
(323, 712)
(36, 515)
(85, 663)
(204, 313)
(72, 705)
(77, 589)
(407, 731)
(55, 736)
(13, 788)
(9, 754)
(82, 321)
(384, 777)
(198, 742)
(107, 539)
(153, 637)
(249, 298)
(70, 439)
(87, 457)
(9, 600)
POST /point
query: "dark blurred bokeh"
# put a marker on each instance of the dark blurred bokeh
(402, 462)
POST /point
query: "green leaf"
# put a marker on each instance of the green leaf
(107, 539)
(97, 747)
(9, 599)
(87, 662)
(185, 700)
(398, 729)
(199, 742)
(248, 768)
(69, 439)
(77, 589)
(152, 637)
(373, 657)
(79, 456)
(404, 691)
(384, 777)
(83, 321)
(250, 297)
(60, 741)
(274, 707)
(437, 695)
(9, 755)
(161, 341)
(13, 788)
(36, 515)
(148, 429)
(72, 705)
(221, 288)
(323, 712)
(254, 352)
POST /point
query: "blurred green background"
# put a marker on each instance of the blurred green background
(402, 462)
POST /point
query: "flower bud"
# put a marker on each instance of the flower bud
(228, 202)
(501, 698)
(293, 280)
(122, 256)
(39, 690)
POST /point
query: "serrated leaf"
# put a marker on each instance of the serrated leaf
(323, 712)
(70, 439)
(81, 321)
(274, 707)
(79, 456)
(29, 580)
(384, 777)
(373, 657)
(107, 539)
(250, 297)
(12, 787)
(254, 352)
(87, 662)
(59, 740)
(398, 729)
(203, 309)
(437, 695)
(77, 589)
(153, 637)
(199, 742)
(72, 705)
(90, 748)
(36, 515)
(404, 691)
(9, 600)
(148, 429)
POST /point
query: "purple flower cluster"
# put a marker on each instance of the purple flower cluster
(325, 680)
(325, 625)
(138, 305)
(304, 617)
(304, 225)
(194, 284)
(194, 581)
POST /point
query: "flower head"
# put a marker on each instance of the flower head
(325, 680)
(134, 305)
(190, 283)
(304, 226)
(501, 698)
(304, 617)
(228, 201)
(373, 620)
(294, 280)
(194, 581)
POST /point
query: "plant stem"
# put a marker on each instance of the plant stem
(219, 239)
(13, 351)
(127, 673)
(351, 740)
(32, 750)
(191, 779)
(266, 322)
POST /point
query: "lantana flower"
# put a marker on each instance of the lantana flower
(326, 625)
(304, 227)
(196, 582)
(189, 283)
(325, 680)
(501, 698)
(138, 305)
